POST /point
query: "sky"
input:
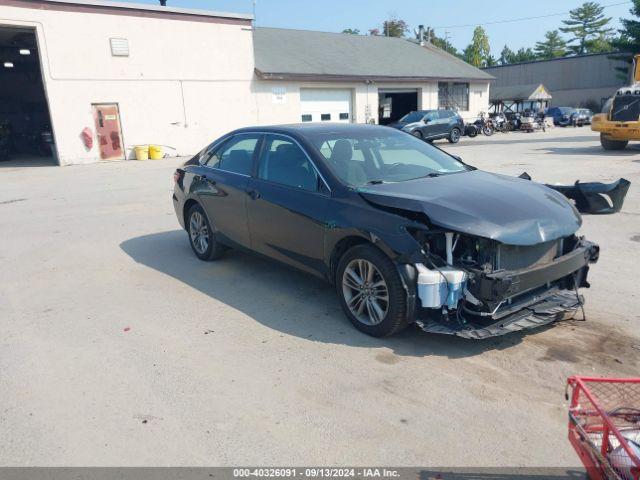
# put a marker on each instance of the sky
(446, 16)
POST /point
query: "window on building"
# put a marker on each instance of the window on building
(344, 116)
(453, 95)
(306, 118)
(325, 117)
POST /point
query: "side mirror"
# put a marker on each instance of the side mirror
(425, 120)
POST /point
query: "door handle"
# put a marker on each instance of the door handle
(253, 193)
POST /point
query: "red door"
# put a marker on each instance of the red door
(107, 120)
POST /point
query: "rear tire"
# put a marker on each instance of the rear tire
(471, 131)
(454, 135)
(365, 275)
(201, 236)
(609, 144)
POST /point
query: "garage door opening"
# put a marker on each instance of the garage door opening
(325, 105)
(26, 136)
(395, 104)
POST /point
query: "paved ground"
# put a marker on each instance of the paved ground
(118, 347)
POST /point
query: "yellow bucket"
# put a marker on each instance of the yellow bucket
(142, 152)
(155, 152)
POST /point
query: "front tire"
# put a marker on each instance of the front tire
(487, 130)
(609, 144)
(201, 235)
(417, 134)
(371, 291)
(454, 135)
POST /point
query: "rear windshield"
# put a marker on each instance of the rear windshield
(382, 155)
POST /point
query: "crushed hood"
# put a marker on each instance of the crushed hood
(506, 209)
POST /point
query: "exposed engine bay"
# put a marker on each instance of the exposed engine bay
(476, 288)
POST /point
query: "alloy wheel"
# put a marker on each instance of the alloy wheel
(365, 292)
(199, 232)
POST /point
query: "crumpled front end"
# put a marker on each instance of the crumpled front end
(477, 288)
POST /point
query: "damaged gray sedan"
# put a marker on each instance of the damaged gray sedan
(406, 232)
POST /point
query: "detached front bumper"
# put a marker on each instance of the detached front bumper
(520, 299)
(554, 305)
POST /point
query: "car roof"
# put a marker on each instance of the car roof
(315, 128)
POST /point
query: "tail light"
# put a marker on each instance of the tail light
(177, 175)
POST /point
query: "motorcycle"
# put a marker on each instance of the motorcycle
(500, 123)
(484, 124)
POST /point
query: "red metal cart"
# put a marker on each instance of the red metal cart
(604, 426)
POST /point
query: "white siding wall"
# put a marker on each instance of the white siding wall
(180, 86)
(365, 99)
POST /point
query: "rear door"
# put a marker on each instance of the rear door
(223, 183)
(445, 121)
(287, 205)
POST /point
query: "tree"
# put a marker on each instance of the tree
(586, 24)
(477, 51)
(491, 61)
(524, 55)
(394, 28)
(602, 44)
(506, 56)
(446, 45)
(351, 31)
(391, 28)
(553, 46)
(629, 41)
(441, 43)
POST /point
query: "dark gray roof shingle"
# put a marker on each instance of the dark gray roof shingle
(283, 53)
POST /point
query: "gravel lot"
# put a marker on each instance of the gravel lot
(119, 347)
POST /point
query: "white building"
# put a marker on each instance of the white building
(108, 76)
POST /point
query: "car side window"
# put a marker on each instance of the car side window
(283, 161)
(431, 116)
(444, 114)
(235, 155)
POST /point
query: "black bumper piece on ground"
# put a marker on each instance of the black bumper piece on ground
(593, 197)
(557, 305)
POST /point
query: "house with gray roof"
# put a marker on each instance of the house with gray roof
(317, 76)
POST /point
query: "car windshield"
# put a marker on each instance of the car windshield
(382, 155)
(412, 117)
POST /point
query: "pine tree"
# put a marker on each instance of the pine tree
(629, 41)
(506, 56)
(586, 24)
(553, 46)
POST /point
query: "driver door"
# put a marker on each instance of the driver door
(431, 127)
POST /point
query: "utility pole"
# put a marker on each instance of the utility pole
(254, 12)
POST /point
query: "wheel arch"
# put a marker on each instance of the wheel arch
(185, 210)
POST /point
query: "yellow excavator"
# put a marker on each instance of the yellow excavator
(621, 120)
